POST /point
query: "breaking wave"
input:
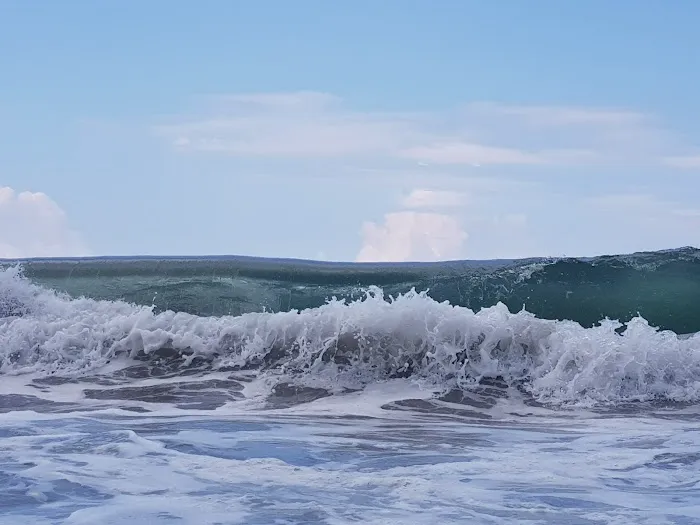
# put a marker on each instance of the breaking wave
(351, 342)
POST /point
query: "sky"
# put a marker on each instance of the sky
(355, 131)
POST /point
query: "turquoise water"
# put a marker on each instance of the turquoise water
(663, 287)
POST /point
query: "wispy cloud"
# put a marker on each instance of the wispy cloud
(307, 125)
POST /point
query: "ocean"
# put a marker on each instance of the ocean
(233, 390)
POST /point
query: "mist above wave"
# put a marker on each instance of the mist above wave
(352, 343)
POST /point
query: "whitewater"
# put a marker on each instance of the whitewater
(222, 390)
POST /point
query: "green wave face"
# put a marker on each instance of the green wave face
(663, 287)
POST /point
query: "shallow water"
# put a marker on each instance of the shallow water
(389, 454)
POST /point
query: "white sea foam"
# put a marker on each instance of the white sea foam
(351, 344)
(209, 470)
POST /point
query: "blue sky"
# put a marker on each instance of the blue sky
(362, 130)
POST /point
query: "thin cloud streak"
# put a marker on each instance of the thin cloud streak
(310, 125)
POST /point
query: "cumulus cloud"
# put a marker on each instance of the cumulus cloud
(33, 225)
(412, 236)
(319, 125)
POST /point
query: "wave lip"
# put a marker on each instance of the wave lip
(350, 343)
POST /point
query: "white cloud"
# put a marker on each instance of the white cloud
(412, 236)
(317, 125)
(33, 225)
(421, 198)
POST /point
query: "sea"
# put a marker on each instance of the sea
(235, 390)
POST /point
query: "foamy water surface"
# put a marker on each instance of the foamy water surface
(367, 457)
